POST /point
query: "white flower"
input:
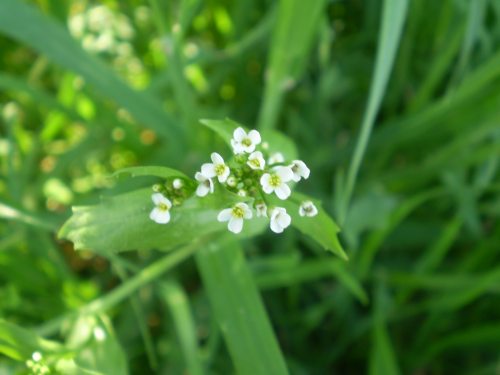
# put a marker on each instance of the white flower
(279, 219)
(307, 208)
(275, 158)
(206, 184)
(177, 184)
(216, 168)
(242, 193)
(160, 214)
(299, 169)
(261, 209)
(276, 182)
(256, 160)
(235, 216)
(243, 142)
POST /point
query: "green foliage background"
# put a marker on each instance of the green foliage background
(394, 105)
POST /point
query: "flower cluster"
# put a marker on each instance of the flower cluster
(254, 174)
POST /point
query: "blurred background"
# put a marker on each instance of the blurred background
(90, 87)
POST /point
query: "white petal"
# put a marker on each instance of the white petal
(296, 177)
(224, 215)
(250, 148)
(301, 168)
(277, 157)
(239, 134)
(216, 158)
(157, 198)
(264, 181)
(283, 191)
(159, 216)
(254, 136)
(208, 170)
(223, 177)
(302, 211)
(235, 225)
(202, 190)
(237, 147)
(247, 212)
(284, 220)
(200, 177)
(275, 227)
(285, 173)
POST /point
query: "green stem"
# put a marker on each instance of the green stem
(145, 276)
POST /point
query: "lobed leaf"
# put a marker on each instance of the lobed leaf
(122, 223)
(320, 228)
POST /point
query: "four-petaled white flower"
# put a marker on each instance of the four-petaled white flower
(276, 182)
(160, 214)
(216, 168)
(256, 160)
(307, 208)
(276, 158)
(300, 170)
(279, 219)
(206, 185)
(261, 209)
(235, 216)
(243, 142)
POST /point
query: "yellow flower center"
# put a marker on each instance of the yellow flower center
(275, 181)
(255, 162)
(238, 212)
(163, 207)
(246, 142)
(219, 169)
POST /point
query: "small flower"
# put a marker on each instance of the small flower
(216, 168)
(160, 214)
(276, 182)
(307, 208)
(256, 160)
(261, 209)
(275, 158)
(279, 219)
(235, 216)
(231, 181)
(243, 142)
(206, 184)
(177, 184)
(299, 169)
(242, 193)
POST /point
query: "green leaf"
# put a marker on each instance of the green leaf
(239, 310)
(277, 141)
(163, 172)
(122, 223)
(320, 228)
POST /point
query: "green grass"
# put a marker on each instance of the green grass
(392, 104)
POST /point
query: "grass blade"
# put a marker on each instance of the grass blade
(238, 308)
(393, 19)
(289, 51)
